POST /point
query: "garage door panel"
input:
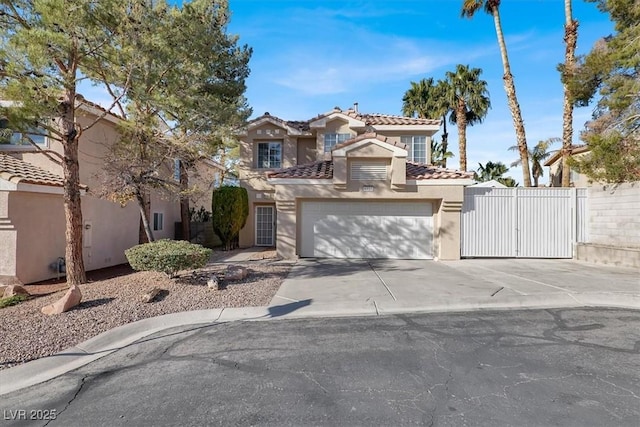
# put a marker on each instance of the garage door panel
(366, 230)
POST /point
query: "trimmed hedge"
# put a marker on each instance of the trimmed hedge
(229, 212)
(167, 256)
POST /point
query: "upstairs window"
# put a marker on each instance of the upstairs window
(158, 221)
(18, 139)
(416, 148)
(332, 139)
(269, 155)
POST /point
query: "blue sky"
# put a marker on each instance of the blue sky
(312, 55)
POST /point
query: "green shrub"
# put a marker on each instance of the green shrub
(167, 256)
(229, 212)
(16, 299)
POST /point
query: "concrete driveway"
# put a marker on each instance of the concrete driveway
(354, 287)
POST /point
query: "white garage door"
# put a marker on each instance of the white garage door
(339, 229)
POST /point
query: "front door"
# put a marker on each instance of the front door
(265, 226)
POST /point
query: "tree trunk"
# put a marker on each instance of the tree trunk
(570, 40)
(184, 203)
(461, 121)
(510, 89)
(445, 141)
(71, 197)
(144, 217)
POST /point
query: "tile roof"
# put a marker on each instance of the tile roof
(318, 170)
(420, 171)
(387, 119)
(324, 170)
(370, 135)
(300, 125)
(16, 170)
(369, 119)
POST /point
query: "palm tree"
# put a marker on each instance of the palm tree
(469, 98)
(570, 40)
(439, 155)
(469, 8)
(537, 156)
(427, 100)
(494, 171)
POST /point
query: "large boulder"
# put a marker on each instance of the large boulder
(214, 283)
(13, 290)
(71, 299)
(235, 272)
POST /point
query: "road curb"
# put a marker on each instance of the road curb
(47, 368)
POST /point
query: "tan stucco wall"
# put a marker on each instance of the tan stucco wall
(247, 237)
(8, 238)
(40, 228)
(306, 150)
(446, 201)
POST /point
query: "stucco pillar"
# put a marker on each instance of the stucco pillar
(8, 237)
(449, 230)
(286, 240)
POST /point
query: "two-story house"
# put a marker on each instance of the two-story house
(349, 185)
(32, 224)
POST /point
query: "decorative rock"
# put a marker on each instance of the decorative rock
(149, 296)
(235, 272)
(13, 290)
(213, 283)
(67, 302)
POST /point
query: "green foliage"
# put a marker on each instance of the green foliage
(610, 159)
(494, 171)
(14, 300)
(167, 256)
(200, 215)
(537, 156)
(610, 73)
(230, 209)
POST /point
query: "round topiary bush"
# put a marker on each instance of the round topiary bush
(167, 256)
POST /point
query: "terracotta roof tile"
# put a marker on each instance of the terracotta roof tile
(324, 170)
(370, 135)
(420, 171)
(317, 170)
(16, 170)
(387, 119)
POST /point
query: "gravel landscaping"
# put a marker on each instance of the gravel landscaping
(27, 334)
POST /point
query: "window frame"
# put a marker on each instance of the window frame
(271, 145)
(158, 221)
(17, 137)
(411, 150)
(339, 139)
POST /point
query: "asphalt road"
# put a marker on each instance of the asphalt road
(574, 367)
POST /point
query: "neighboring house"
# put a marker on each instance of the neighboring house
(32, 224)
(489, 184)
(349, 185)
(554, 163)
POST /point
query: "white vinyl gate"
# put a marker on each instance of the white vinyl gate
(523, 222)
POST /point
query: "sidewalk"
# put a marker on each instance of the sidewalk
(339, 288)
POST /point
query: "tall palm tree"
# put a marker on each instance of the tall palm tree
(427, 100)
(469, 8)
(570, 40)
(537, 155)
(469, 98)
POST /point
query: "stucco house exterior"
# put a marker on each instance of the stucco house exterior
(32, 225)
(554, 162)
(349, 185)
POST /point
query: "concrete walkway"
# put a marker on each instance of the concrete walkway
(359, 287)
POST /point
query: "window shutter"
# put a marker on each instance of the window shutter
(369, 171)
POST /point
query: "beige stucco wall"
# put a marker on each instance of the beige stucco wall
(306, 150)
(8, 237)
(39, 224)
